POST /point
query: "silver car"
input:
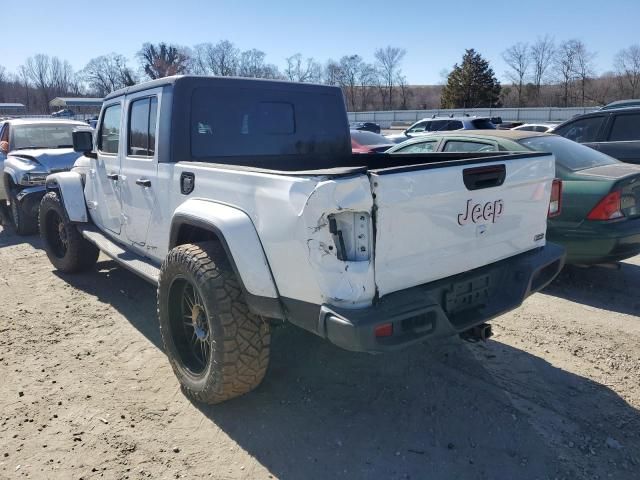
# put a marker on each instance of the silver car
(442, 124)
(31, 149)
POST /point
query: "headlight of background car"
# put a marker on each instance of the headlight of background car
(34, 178)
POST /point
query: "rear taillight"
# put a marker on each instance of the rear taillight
(555, 203)
(609, 208)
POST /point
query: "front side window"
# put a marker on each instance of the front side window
(109, 136)
(581, 131)
(625, 128)
(142, 127)
(419, 127)
(42, 136)
(464, 146)
(424, 147)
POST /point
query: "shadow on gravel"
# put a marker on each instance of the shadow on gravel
(8, 238)
(452, 411)
(130, 295)
(608, 289)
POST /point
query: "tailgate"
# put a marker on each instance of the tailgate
(434, 221)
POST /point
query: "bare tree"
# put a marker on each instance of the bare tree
(163, 60)
(366, 80)
(583, 68)
(388, 60)
(627, 65)
(107, 73)
(565, 65)
(301, 70)
(518, 58)
(351, 67)
(542, 53)
(405, 92)
(38, 72)
(332, 73)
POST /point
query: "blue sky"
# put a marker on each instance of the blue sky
(434, 33)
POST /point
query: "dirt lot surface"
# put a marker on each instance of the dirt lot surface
(86, 391)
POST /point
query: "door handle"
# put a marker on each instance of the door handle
(143, 182)
(113, 176)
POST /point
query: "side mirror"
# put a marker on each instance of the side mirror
(4, 147)
(83, 142)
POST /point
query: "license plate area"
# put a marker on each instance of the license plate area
(467, 295)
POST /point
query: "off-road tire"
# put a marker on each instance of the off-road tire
(24, 223)
(239, 340)
(72, 254)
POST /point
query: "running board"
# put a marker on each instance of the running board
(129, 260)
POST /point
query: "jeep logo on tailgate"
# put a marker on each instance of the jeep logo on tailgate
(487, 213)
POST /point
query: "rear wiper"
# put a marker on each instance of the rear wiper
(26, 148)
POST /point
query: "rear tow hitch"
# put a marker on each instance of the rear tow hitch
(477, 333)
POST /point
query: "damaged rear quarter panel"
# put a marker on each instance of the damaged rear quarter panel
(342, 283)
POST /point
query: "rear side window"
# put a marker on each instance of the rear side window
(464, 146)
(483, 124)
(142, 127)
(255, 122)
(625, 128)
(424, 147)
(454, 125)
(109, 136)
(581, 131)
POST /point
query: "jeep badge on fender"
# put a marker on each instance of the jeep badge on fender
(487, 213)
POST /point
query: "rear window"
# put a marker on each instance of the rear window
(368, 138)
(256, 122)
(569, 154)
(483, 124)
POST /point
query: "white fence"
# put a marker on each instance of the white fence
(546, 114)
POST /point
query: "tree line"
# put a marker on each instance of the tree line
(542, 73)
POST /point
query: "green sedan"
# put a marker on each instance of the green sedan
(600, 217)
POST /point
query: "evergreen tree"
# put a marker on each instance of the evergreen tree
(472, 84)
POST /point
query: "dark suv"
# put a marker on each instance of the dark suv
(615, 132)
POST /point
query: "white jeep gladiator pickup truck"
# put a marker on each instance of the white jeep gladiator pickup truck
(242, 201)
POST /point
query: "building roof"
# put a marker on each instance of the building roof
(75, 102)
(13, 106)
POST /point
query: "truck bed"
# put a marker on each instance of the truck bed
(358, 163)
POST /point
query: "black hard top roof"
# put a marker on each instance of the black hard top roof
(160, 82)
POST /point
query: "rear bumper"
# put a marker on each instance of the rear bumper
(440, 308)
(599, 242)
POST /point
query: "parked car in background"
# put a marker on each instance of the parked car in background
(542, 127)
(30, 149)
(615, 132)
(367, 142)
(440, 124)
(634, 102)
(366, 126)
(600, 217)
(64, 113)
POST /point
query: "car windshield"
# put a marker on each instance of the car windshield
(569, 154)
(368, 138)
(42, 136)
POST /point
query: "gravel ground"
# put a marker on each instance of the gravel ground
(86, 391)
